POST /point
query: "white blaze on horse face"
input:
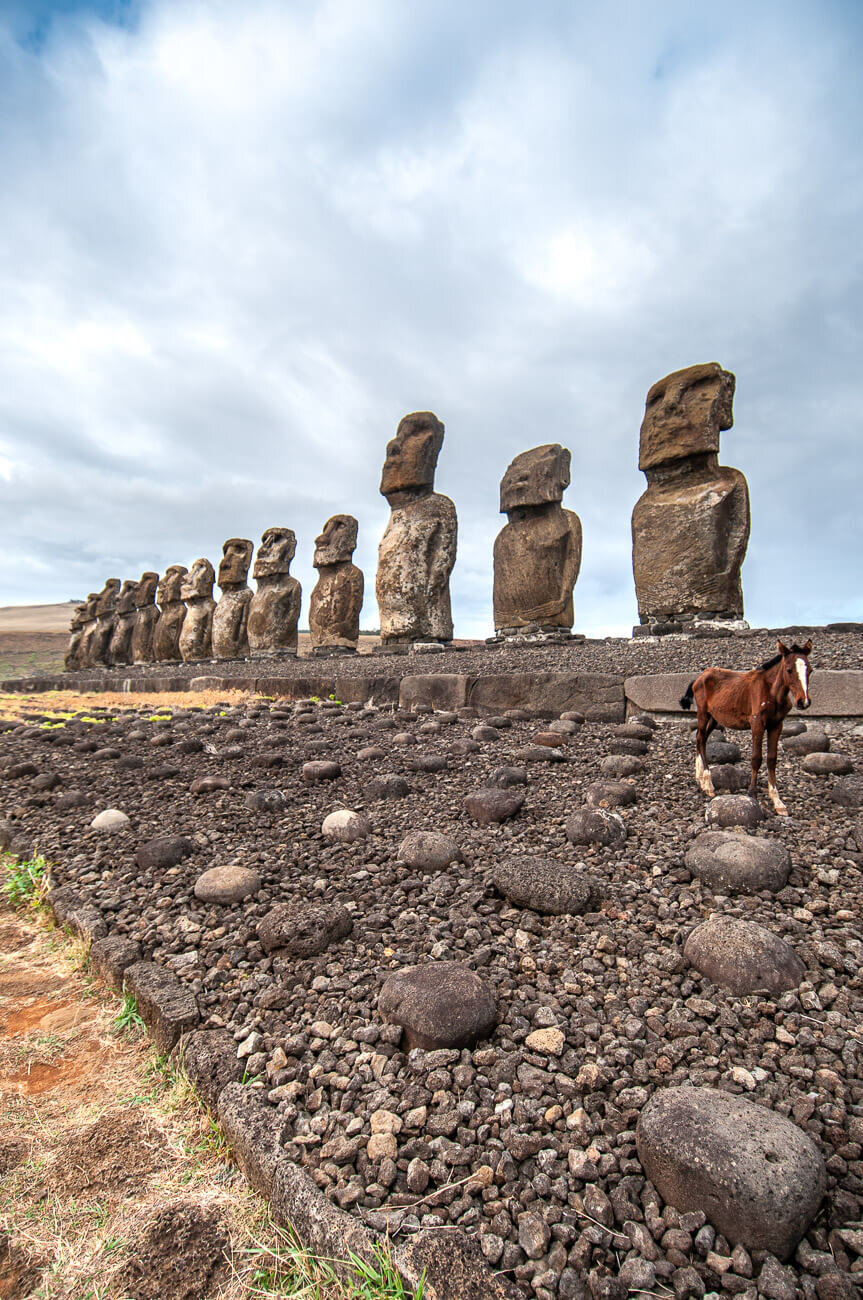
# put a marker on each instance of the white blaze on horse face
(802, 671)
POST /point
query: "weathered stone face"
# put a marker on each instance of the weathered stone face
(146, 618)
(535, 477)
(412, 454)
(84, 647)
(417, 552)
(685, 413)
(274, 610)
(196, 635)
(120, 649)
(126, 597)
(79, 621)
(172, 613)
(690, 529)
(236, 558)
(277, 549)
(537, 555)
(106, 613)
(337, 542)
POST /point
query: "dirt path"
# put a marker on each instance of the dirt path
(114, 1183)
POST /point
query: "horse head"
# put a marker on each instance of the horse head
(795, 672)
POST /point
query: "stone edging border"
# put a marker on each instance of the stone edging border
(453, 1264)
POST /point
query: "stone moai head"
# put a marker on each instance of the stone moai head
(107, 597)
(337, 542)
(79, 618)
(277, 549)
(685, 413)
(535, 478)
(91, 605)
(145, 593)
(126, 598)
(236, 558)
(198, 580)
(169, 589)
(412, 454)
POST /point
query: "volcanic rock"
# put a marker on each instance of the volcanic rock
(294, 931)
(543, 885)
(595, 826)
(733, 863)
(162, 852)
(610, 794)
(429, 851)
(743, 957)
(733, 810)
(227, 885)
(439, 1004)
(821, 764)
(491, 804)
(345, 826)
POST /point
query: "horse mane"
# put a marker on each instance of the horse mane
(771, 663)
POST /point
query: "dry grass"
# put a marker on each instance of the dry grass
(60, 703)
(99, 1136)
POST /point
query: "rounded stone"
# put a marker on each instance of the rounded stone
(563, 727)
(439, 1004)
(389, 785)
(404, 738)
(618, 765)
(543, 885)
(848, 794)
(807, 742)
(733, 810)
(503, 778)
(821, 764)
(595, 826)
(628, 745)
(428, 851)
(303, 931)
(491, 804)
(428, 763)
(371, 754)
(321, 769)
(550, 739)
(109, 821)
(743, 957)
(633, 731)
(461, 748)
(270, 801)
(729, 779)
(540, 754)
(732, 863)
(756, 1175)
(610, 794)
(209, 784)
(793, 727)
(722, 751)
(226, 885)
(485, 733)
(162, 852)
(569, 715)
(346, 826)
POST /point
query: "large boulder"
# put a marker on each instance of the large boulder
(743, 957)
(162, 852)
(291, 931)
(491, 804)
(595, 826)
(730, 862)
(226, 885)
(848, 793)
(428, 851)
(543, 885)
(755, 1174)
(825, 764)
(807, 742)
(610, 794)
(733, 810)
(439, 1004)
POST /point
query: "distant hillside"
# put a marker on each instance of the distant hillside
(36, 618)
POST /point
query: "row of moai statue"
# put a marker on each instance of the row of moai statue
(689, 535)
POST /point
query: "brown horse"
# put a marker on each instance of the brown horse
(758, 700)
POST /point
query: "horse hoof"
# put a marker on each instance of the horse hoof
(780, 810)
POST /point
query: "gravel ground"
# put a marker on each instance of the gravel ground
(535, 1152)
(614, 655)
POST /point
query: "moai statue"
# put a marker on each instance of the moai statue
(691, 527)
(146, 619)
(334, 611)
(100, 653)
(76, 637)
(196, 636)
(88, 631)
(417, 551)
(274, 609)
(172, 613)
(537, 555)
(230, 635)
(120, 649)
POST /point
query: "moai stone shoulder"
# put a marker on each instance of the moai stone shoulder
(690, 528)
(230, 621)
(337, 600)
(88, 631)
(172, 614)
(196, 635)
(77, 626)
(120, 650)
(146, 618)
(106, 610)
(418, 549)
(537, 555)
(274, 610)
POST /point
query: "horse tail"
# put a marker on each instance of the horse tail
(685, 701)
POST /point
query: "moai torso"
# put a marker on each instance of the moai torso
(120, 651)
(196, 635)
(337, 600)
(100, 652)
(146, 618)
(418, 549)
(77, 629)
(172, 614)
(88, 631)
(690, 528)
(230, 618)
(537, 555)
(274, 609)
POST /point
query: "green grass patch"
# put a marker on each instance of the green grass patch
(128, 1019)
(25, 881)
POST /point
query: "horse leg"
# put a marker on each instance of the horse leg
(702, 772)
(772, 749)
(757, 741)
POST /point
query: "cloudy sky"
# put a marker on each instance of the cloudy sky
(238, 241)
